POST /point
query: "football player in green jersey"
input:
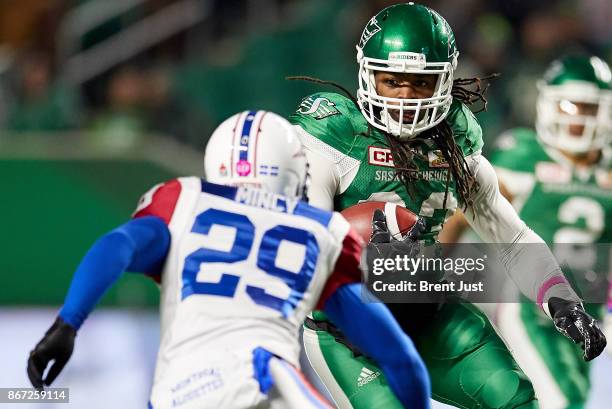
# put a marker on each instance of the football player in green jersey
(409, 138)
(559, 179)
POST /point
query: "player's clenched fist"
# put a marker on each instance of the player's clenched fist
(573, 322)
(57, 345)
(382, 245)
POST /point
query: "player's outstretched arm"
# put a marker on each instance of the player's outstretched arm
(374, 331)
(139, 245)
(532, 267)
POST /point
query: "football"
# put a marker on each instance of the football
(399, 219)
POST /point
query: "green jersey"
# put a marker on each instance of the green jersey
(351, 163)
(333, 127)
(561, 203)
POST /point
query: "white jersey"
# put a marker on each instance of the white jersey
(244, 268)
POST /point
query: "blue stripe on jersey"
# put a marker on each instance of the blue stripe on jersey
(314, 213)
(228, 192)
(303, 209)
(261, 370)
(246, 135)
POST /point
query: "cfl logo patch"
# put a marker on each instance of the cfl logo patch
(380, 157)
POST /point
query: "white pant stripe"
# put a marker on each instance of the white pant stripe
(318, 363)
(526, 355)
(294, 388)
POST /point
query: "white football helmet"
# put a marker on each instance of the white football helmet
(570, 85)
(257, 148)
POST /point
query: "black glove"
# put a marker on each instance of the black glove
(571, 320)
(57, 344)
(381, 244)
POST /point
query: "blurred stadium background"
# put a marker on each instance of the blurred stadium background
(99, 100)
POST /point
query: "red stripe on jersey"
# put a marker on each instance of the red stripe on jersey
(160, 201)
(163, 201)
(305, 382)
(346, 270)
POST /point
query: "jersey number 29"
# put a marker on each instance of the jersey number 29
(267, 253)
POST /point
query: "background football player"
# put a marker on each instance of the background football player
(239, 267)
(558, 178)
(410, 138)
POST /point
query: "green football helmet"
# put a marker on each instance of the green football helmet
(406, 38)
(574, 105)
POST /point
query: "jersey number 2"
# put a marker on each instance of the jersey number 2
(240, 250)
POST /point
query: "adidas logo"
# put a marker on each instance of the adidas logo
(366, 376)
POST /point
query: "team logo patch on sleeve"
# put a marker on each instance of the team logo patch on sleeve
(380, 156)
(436, 159)
(318, 108)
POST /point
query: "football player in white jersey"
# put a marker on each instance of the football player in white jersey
(241, 260)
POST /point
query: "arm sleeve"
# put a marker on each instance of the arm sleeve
(372, 329)
(324, 175)
(139, 245)
(532, 267)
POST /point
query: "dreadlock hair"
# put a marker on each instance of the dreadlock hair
(469, 91)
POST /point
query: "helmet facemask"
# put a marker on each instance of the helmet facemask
(426, 112)
(559, 115)
(296, 178)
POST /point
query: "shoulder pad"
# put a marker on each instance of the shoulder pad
(159, 201)
(517, 149)
(330, 117)
(466, 129)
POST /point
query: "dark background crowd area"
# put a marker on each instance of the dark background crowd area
(125, 69)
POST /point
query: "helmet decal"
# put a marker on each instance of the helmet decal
(448, 31)
(601, 69)
(245, 138)
(369, 31)
(452, 48)
(556, 67)
(243, 167)
(263, 149)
